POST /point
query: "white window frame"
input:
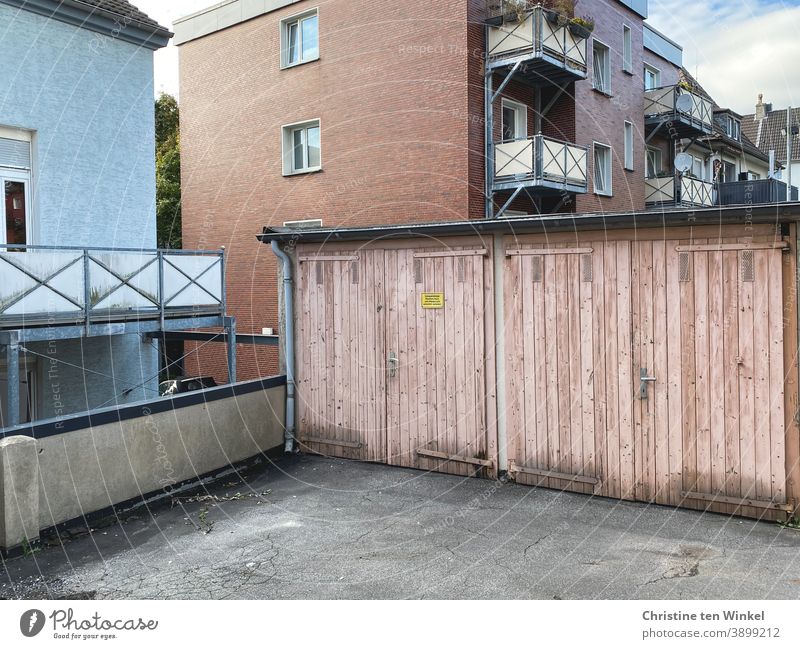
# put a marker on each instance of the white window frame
(16, 174)
(607, 88)
(609, 190)
(520, 118)
(286, 23)
(659, 157)
(287, 138)
(702, 174)
(628, 137)
(627, 49)
(656, 76)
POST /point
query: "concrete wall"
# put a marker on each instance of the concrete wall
(88, 99)
(94, 467)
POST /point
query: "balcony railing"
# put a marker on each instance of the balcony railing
(754, 192)
(538, 36)
(540, 161)
(679, 191)
(44, 285)
(681, 110)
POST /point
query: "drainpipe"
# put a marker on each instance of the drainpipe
(288, 349)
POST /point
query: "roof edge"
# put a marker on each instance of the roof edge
(773, 213)
(98, 20)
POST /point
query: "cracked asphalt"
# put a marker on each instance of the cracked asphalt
(318, 528)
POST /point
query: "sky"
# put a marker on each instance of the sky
(735, 48)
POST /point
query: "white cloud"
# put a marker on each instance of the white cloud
(737, 49)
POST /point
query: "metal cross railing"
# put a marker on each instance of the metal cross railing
(50, 285)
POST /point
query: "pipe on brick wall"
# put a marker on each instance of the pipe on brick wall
(288, 345)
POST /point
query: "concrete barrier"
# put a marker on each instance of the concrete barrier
(60, 470)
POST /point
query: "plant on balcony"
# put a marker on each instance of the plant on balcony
(582, 26)
(559, 12)
(685, 85)
(517, 10)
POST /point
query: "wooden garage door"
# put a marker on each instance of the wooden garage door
(340, 352)
(592, 324)
(436, 396)
(385, 378)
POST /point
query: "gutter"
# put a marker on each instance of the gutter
(288, 352)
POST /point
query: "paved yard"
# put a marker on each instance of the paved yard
(310, 527)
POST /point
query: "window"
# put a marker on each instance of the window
(733, 129)
(698, 168)
(301, 148)
(652, 77)
(602, 169)
(654, 162)
(515, 120)
(300, 39)
(629, 146)
(15, 184)
(627, 49)
(601, 57)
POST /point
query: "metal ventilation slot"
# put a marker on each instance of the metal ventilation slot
(418, 271)
(536, 261)
(320, 271)
(748, 266)
(684, 267)
(587, 271)
(354, 272)
(461, 269)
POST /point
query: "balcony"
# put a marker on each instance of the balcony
(550, 52)
(680, 112)
(754, 192)
(87, 286)
(678, 191)
(541, 162)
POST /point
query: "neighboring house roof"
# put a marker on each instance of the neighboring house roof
(125, 10)
(117, 19)
(720, 137)
(766, 133)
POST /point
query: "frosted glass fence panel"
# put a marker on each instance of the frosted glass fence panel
(42, 286)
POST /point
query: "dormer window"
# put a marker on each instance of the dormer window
(733, 129)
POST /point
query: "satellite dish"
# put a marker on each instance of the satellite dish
(683, 162)
(684, 103)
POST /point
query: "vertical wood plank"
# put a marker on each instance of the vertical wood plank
(599, 348)
(551, 346)
(587, 396)
(626, 384)
(716, 374)
(563, 353)
(702, 394)
(576, 432)
(659, 342)
(761, 375)
(613, 368)
(747, 469)
(675, 371)
(730, 341)
(776, 389)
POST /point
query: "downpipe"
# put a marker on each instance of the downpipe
(288, 345)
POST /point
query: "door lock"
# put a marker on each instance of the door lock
(393, 362)
(644, 379)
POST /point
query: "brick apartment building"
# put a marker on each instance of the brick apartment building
(362, 113)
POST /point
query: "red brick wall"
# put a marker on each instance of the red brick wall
(389, 81)
(601, 118)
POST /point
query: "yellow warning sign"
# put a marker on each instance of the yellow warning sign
(433, 300)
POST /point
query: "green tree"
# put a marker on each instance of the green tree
(168, 172)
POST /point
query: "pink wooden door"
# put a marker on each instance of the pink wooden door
(436, 351)
(555, 425)
(340, 348)
(708, 329)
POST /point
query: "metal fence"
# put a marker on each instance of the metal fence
(54, 285)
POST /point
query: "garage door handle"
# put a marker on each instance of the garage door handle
(392, 364)
(644, 380)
